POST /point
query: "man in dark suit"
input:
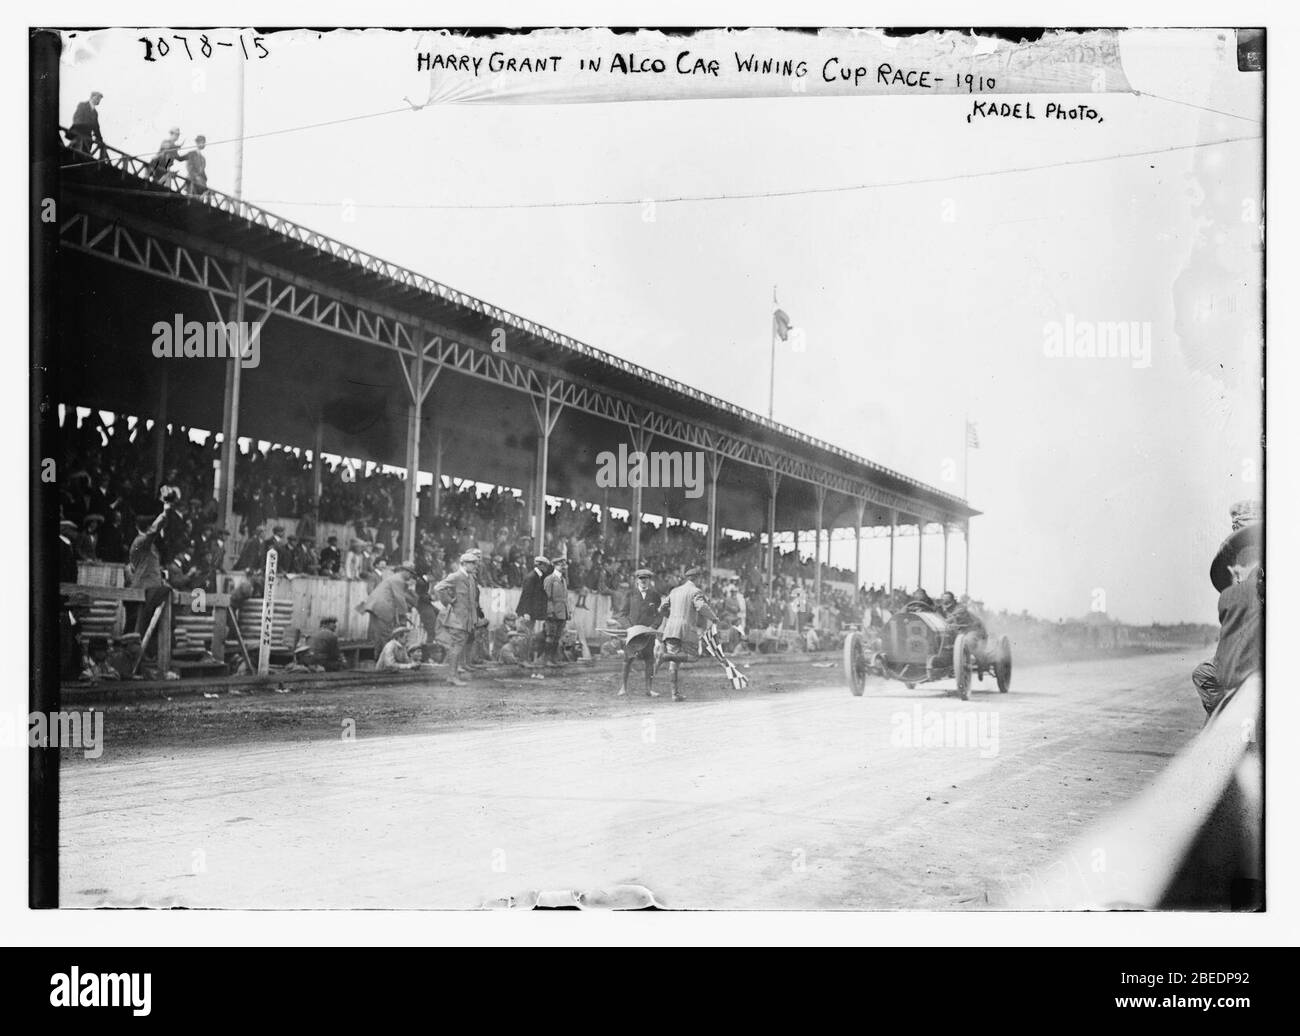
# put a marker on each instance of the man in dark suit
(642, 620)
(532, 604)
(330, 558)
(84, 133)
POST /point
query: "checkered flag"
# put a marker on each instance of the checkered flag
(709, 645)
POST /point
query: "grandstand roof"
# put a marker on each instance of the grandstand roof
(311, 373)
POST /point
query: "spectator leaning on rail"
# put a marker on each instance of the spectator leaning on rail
(1237, 573)
(196, 167)
(168, 153)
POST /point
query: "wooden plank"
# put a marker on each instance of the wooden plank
(131, 593)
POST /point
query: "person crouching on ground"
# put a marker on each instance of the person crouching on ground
(686, 605)
(394, 657)
(323, 647)
(457, 607)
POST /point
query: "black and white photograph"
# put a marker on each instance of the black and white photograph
(624, 467)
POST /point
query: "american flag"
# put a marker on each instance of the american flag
(781, 323)
(972, 436)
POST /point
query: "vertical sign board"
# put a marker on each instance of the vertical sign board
(268, 612)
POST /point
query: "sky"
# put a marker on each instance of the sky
(921, 305)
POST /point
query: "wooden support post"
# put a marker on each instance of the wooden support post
(437, 469)
(715, 469)
(774, 482)
(230, 423)
(893, 527)
(160, 432)
(640, 442)
(945, 556)
(857, 550)
(547, 415)
(817, 561)
(920, 541)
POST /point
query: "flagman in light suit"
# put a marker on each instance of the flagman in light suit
(686, 605)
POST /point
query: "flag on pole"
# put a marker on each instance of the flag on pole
(781, 324)
(972, 436)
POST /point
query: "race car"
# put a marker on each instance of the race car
(919, 645)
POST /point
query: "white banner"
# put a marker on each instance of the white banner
(583, 66)
(268, 613)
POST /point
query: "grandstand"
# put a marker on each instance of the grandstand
(363, 359)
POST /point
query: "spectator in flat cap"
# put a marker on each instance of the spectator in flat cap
(323, 646)
(455, 598)
(331, 560)
(532, 605)
(643, 619)
(394, 657)
(558, 614)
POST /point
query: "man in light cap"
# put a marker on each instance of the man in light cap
(557, 609)
(532, 604)
(394, 656)
(685, 605)
(1237, 572)
(455, 598)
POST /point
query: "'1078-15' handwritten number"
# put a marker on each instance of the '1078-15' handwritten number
(160, 48)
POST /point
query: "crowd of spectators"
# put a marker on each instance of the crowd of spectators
(110, 481)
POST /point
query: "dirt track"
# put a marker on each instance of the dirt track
(792, 794)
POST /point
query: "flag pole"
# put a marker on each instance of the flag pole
(965, 492)
(771, 385)
(965, 459)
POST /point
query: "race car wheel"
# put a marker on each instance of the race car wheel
(1002, 667)
(855, 671)
(961, 666)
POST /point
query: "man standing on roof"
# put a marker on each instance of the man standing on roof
(84, 134)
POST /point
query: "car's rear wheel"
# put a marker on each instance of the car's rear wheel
(1002, 667)
(855, 671)
(961, 666)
